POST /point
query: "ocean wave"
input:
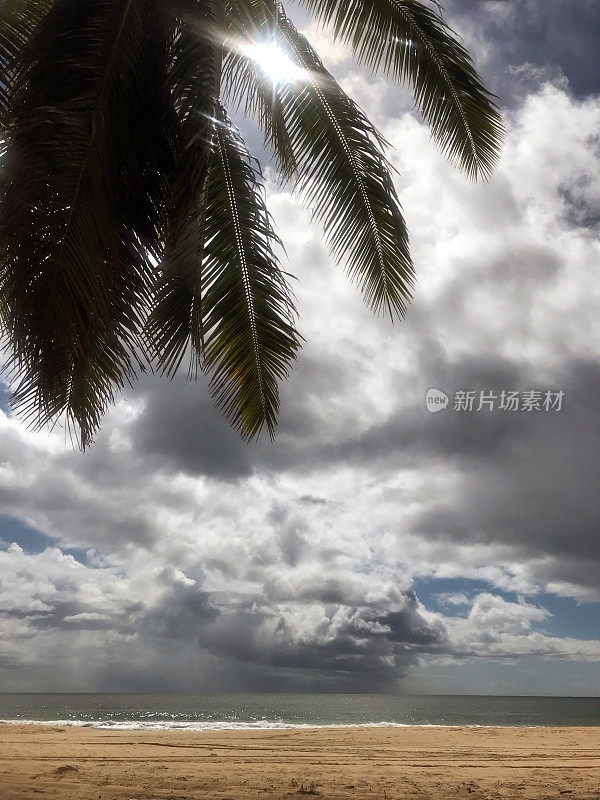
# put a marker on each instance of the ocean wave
(223, 725)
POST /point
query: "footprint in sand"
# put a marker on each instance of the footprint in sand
(64, 770)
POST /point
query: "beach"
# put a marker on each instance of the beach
(76, 763)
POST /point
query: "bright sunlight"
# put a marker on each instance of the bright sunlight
(274, 62)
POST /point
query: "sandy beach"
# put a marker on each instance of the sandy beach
(388, 763)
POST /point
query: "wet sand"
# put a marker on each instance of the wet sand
(337, 763)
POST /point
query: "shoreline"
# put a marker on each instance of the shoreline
(266, 725)
(391, 763)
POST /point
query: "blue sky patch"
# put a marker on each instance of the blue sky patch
(31, 540)
(4, 398)
(579, 621)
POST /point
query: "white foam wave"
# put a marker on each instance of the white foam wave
(222, 725)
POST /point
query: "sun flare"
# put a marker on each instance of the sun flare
(274, 62)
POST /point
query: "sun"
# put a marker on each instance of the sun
(274, 63)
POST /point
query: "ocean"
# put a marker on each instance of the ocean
(247, 711)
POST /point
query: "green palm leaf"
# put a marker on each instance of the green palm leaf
(412, 43)
(79, 207)
(18, 22)
(193, 78)
(250, 339)
(344, 178)
(246, 87)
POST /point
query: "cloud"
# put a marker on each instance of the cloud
(192, 440)
(544, 33)
(332, 53)
(497, 628)
(208, 564)
(453, 599)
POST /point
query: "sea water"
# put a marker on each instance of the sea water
(242, 711)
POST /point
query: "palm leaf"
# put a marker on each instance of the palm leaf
(80, 201)
(245, 87)
(412, 43)
(343, 176)
(250, 339)
(194, 75)
(18, 22)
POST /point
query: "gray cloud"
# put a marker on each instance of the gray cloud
(181, 430)
(546, 465)
(550, 34)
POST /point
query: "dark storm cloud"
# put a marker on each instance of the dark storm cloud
(547, 464)
(409, 627)
(184, 612)
(349, 644)
(553, 34)
(58, 500)
(411, 434)
(181, 430)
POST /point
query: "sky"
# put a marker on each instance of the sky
(377, 545)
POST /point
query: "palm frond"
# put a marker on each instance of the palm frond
(18, 22)
(194, 60)
(344, 178)
(411, 42)
(250, 339)
(245, 87)
(80, 200)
